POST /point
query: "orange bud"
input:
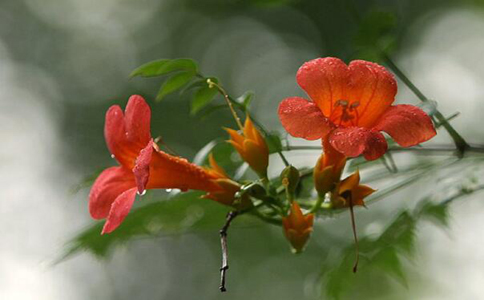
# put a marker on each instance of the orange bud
(351, 192)
(328, 169)
(251, 146)
(228, 188)
(297, 227)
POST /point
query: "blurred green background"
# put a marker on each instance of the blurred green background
(63, 63)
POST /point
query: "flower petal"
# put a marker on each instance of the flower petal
(138, 118)
(408, 125)
(373, 87)
(368, 89)
(235, 137)
(303, 119)
(256, 156)
(108, 186)
(119, 210)
(350, 182)
(126, 134)
(141, 168)
(360, 192)
(353, 141)
(324, 80)
(171, 172)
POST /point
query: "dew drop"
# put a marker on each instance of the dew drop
(168, 190)
(142, 193)
(112, 156)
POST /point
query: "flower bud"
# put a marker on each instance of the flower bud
(349, 192)
(290, 178)
(251, 146)
(228, 189)
(328, 169)
(297, 227)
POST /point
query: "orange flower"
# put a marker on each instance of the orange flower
(228, 187)
(350, 192)
(328, 169)
(297, 227)
(351, 104)
(251, 147)
(141, 166)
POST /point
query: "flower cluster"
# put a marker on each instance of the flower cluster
(349, 108)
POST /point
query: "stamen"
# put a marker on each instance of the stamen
(341, 102)
(349, 113)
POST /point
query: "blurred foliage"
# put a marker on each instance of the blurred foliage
(178, 214)
(376, 33)
(381, 256)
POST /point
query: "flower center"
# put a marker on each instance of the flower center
(345, 113)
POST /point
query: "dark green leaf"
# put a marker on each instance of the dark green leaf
(194, 85)
(274, 142)
(209, 109)
(150, 69)
(174, 83)
(182, 213)
(165, 66)
(203, 97)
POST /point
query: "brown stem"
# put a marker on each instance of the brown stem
(223, 241)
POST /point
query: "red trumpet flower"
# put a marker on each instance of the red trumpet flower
(352, 104)
(142, 166)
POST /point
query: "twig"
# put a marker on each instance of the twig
(222, 91)
(437, 149)
(223, 242)
(231, 102)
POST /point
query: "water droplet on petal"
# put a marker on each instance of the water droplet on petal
(168, 190)
(142, 193)
(112, 156)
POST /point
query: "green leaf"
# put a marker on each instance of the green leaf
(210, 109)
(388, 260)
(245, 99)
(165, 66)
(203, 97)
(198, 83)
(400, 234)
(174, 83)
(182, 213)
(274, 142)
(150, 69)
